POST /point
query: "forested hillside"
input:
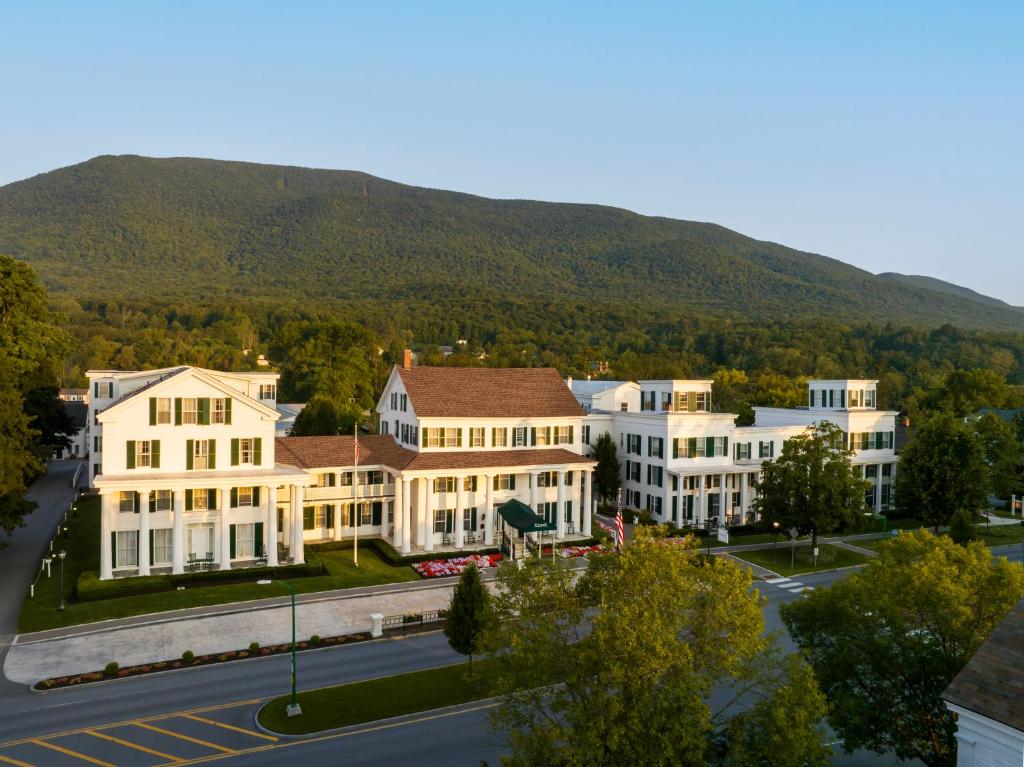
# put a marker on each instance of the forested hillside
(134, 228)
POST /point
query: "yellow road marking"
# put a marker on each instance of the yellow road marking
(189, 738)
(136, 746)
(15, 762)
(69, 752)
(242, 730)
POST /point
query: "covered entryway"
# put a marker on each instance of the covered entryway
(522, 529)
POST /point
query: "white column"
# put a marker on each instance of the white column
(560, 506)
(225, 531)
(723, 496)
(489, 510)
(298, 547)
(286, 521)
(702, 499)
(460, 506)
(427, 510)
(878, 488)
(337, 507)
(106, 565)
(587, 502)
(178, 534)
(744, 501)
(577, 501)
(271, 526)
(396, 506)
(144, 532)
(533, 491)
(406, 512)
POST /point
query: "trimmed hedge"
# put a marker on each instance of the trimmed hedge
(90, 588)
(388, 554)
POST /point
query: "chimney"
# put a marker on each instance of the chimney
(407, 359)
(568, 382)
(906, 420)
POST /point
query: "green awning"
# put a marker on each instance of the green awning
(523, 518)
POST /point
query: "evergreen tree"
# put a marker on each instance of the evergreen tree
(467, 614)
(321, 417)
(608, 473)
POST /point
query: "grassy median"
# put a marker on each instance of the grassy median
(359, 702)
(829, 558)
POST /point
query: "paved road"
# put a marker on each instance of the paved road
(19, 559)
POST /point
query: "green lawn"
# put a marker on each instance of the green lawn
(996, 535)
(836, 557)
(368, 701)
(40, 613)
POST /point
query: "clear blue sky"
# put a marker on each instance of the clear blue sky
(889, 135)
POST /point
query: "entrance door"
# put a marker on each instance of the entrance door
(200, 541)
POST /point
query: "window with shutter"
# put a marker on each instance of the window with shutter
(234, 451)
(130, 455)
(152, 411)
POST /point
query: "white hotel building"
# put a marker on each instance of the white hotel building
(190, 474)
(692, 466)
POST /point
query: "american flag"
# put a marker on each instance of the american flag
(355, 433)
(620, 531)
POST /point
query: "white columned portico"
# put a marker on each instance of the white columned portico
(405, 510)
(428, 514)
(878, 489)
(560, 507)
(106, 563)
(271, 526)
(460, 506)
(396, 515)
(144, 562)
(588, 501)
(533, 490)
(577, 501)
(724, 498)
(489, 510)
(225, 531)
(298, 547)
(702, 496)
(178, 534)
(744, 501)
(336, 511)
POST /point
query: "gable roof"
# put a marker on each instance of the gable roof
(496, 459)
(324, 452)
(452, 392)
(992, 682)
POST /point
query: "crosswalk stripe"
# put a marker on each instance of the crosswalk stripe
(15, 762)
(776, 581)
(802, 588)
(230, 727)
(69, 752)
(136, 746)
(189, 738)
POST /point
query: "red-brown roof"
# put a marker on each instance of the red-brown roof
(494, 459)
(324, 452)
(992, 682)
(443, 392)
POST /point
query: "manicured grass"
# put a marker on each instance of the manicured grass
(836, 557)
(40, 613)
(996, 535)
(375, 699)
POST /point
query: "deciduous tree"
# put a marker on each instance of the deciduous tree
(608, 473)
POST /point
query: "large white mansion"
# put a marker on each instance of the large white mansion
(190, 473)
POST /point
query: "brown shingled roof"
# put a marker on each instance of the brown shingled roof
(322, 452)
(992, 682)
(443, 392)
(494, 459)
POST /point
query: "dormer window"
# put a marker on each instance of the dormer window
(268, 391)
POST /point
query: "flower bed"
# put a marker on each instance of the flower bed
(57, 682)
(440, 568)
(572, 552)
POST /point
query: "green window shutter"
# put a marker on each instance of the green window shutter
(725, 446)
(675, 447)
(130, 455)
(211, 499)
(211, 458)
(308, 518)
(533, 436)
(154, 457)
(151, 546)
(138, 503)
(203, 406)
(691, 446)
(188, 500)
(152, 508)
(190, 446)
(512, 482)
(234, 497)
(227, 411)
(152, 411)
(330, 516)
(177, 411)
(892, 440)
(709, 447)
(113, 542)
(377, 512)
(257, 451)
(258, 538)
(234, 451)
(256, 496)
(425, 431)
(232, 541)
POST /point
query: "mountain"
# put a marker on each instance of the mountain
(139, 228)
(931, 283)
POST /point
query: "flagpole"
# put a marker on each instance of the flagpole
(355, 495)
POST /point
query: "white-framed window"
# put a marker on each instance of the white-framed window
(365, 513)
(268, 391)
(405, 402)
(126, 503)
(563, 435)
(634, 444)
(394, 400)
(245, 495)
(189, 410)
(519, 436)
(246, 450)
(504, 481)
(200, 454)
(218, 410)
(720, 443)
(163, 500)
(433, 437)
(469, 484)
(127, 548)
(320, 517)
(542, 435)
(547, 479)
(476, 437)
(742, 451)
(586, 434)
(452, 437)
(200, 500)
(499, 437)
(467, 519)
(143, 454)
(440, 517)
(163, 546)
(105, 389)
(345, 479)
(444, 484)
(163, 410)
(371, 477)
(244, 539)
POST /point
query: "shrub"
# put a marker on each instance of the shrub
(188, 656)
(111, 668)
(961, 527)
(315, 640)
(254, 646)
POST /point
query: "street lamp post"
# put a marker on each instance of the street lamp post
(293, 709)
(61, 556)
(775, 540)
